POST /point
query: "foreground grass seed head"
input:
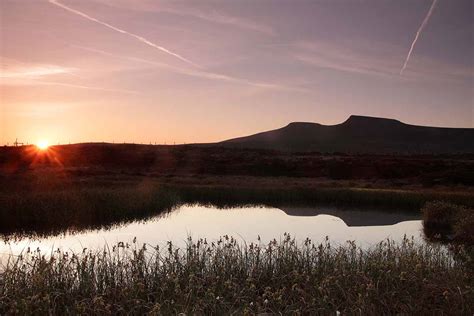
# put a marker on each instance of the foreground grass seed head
(227, 277)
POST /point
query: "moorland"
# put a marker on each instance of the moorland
(83, 185)
(71, 188)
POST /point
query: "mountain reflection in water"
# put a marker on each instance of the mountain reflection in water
(365, 227)
(355, 217)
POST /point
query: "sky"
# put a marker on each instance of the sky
(202, 71)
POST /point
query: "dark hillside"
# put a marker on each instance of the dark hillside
(360, 134)
(81, 160)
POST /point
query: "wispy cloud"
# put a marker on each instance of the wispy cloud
(380, 60)
(31, 72)
(345, 57)
(16, 73)
(423, 24)
(195, 73)
(217, 17)
(188, 10)
(33, 82)
(122, 31)
(78, 86)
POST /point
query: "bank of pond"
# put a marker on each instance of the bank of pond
(207, 251)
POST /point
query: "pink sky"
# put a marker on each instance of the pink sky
(201, 71)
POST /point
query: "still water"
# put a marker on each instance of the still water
(365, 227)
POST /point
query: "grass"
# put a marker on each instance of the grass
(225, 277)
(450, 222)
(52, 211)
(352, 197)
(82, 159)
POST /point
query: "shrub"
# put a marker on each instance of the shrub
(448, 222)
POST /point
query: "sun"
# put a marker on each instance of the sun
(42, 144)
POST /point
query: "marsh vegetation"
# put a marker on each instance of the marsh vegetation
(99, 186)
(225, 276)
(448, 222)
(91, 207)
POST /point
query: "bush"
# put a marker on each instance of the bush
(448, 222)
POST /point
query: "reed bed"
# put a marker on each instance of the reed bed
(50, 212)
(75, 209)
(352, 197)
(448, 222)
(226, 276)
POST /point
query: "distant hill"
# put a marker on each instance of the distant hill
(362, 134)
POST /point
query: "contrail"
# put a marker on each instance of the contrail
(423, 24)
(62, 84)
(140, 38)
(194, 73)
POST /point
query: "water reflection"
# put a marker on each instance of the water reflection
(366, 228)
(355, 217)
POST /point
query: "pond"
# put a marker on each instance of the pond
(365, 227)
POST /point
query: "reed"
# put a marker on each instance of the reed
(448, 222)
(224, 276)
(100, 206)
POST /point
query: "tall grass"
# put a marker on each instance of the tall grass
(450, 222)
(89, 207)
(50, 212)
(353, 197)
(224, 277)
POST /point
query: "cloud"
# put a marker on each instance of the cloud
(381, 60)
(219, 18)
(15, 73)
(345, 57)
(33, 82)
(32, 72)
(122, 31)
(77, 86)
(423, 24)
(208, 14)
(195, 73)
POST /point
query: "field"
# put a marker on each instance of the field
(84, 160)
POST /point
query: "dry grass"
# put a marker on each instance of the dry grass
(52, 211)
(450, 222)
(226, 277)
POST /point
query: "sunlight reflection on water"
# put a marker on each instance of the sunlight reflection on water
(365, 227)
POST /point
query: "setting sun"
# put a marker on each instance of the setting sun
(42, 144)
(231, 157)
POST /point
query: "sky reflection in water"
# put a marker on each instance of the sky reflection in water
(365, 227)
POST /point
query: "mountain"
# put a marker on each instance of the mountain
(362, 134)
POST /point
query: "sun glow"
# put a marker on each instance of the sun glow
(42, 144)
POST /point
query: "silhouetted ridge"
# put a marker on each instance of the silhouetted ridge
(357, 120)
(302, 124)
(362, 134)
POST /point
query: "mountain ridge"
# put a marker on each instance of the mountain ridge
(361, 134)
